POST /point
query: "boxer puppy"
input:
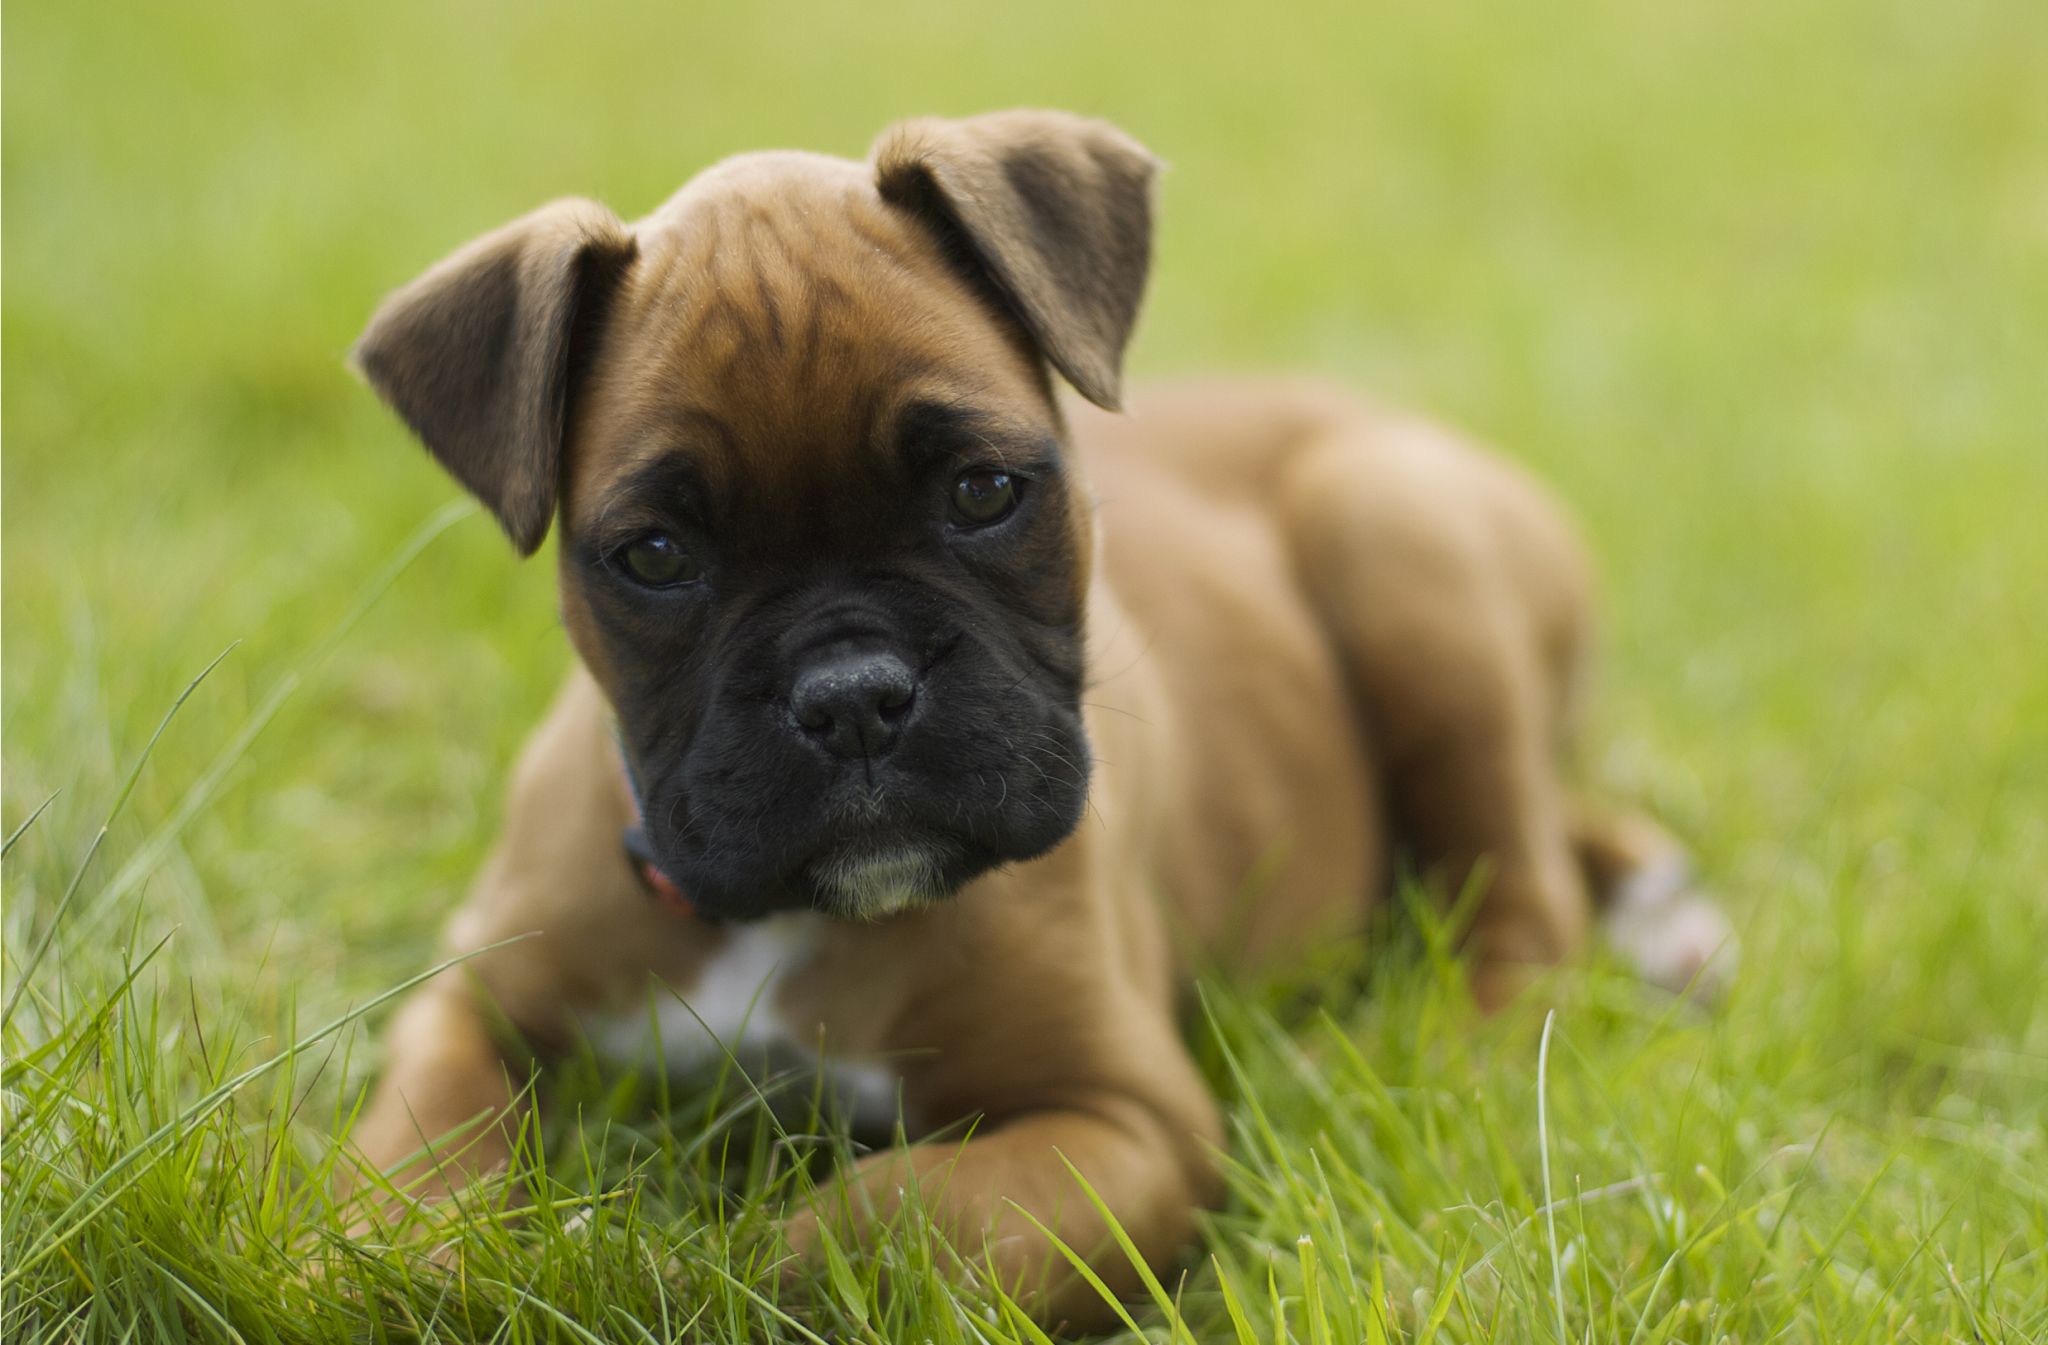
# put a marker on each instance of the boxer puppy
(934, 728)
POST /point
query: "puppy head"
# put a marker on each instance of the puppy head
(822, 543)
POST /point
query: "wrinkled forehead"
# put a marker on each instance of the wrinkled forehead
(782, 319)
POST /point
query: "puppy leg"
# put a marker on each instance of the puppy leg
(980, 1193)
(1140, 1128)
(555, 909)
(445, 1089)
(1651, 911)
(1454, 596)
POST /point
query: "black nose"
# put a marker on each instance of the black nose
(854, 705)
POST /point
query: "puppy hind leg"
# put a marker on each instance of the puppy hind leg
(1399, 547)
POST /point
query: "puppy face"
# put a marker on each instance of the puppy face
(824, 551)
(821, 542)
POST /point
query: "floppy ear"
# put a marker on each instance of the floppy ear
(1057, 209)
(477, 354)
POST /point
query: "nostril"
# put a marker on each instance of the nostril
(896, 701)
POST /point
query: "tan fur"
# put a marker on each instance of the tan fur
(1315, 630)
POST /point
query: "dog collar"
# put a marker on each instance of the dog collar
(659, 885)
(640, 855)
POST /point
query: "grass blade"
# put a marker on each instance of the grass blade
(26, 823)
(1549, 1195)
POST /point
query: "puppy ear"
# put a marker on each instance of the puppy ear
(1056, 209)
(477, 355)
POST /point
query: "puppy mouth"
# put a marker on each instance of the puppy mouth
(860, 844)
(868, 861)
(877, 857)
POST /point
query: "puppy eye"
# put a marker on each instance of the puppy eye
(659, 561)
(983, 496)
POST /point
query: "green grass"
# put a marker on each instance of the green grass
(1762, 286)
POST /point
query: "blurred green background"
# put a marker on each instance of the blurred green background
(1761, 286)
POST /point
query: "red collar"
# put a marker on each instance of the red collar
(658, 884)
(640, 854)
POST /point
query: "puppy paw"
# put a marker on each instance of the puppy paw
(1669, 931)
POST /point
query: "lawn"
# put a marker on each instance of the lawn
(1763, 287)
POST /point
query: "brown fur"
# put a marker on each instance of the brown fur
(1315, 630)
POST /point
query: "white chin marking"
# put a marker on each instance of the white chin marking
(879, 884)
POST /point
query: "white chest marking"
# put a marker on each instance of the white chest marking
(732, 1008)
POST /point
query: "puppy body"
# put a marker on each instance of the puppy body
(1267, 631)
